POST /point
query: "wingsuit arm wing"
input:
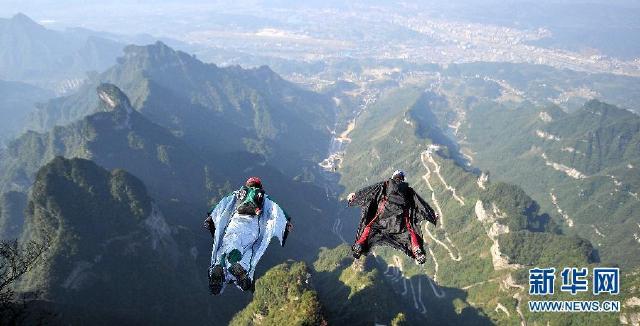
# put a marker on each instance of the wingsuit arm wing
(220, 216)
(209, 222)
(365, 195)
(423, 210)
(216, 212)
(286, 215)
(280, 219)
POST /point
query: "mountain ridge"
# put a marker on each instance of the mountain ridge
(68, 55)
(103, 230)
(580, 166)
(225, 108)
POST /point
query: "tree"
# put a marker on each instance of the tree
(15, 261)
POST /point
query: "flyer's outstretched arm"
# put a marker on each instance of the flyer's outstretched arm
(365, 195)
(423, 210)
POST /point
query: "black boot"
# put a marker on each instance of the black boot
(242, 278)
(216, 279)
(418, 254)
(358, 250)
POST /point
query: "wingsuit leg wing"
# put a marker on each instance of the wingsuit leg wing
(368, 200)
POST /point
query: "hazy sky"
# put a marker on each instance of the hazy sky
(612, 26)
(156, 16)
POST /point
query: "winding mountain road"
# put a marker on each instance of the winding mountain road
(427, 178)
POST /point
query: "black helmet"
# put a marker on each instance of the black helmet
(398, 174)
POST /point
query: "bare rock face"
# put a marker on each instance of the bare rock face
(116, 100)
(113, 97)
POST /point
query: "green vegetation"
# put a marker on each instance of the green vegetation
(109, 249)
(522, 211)
(397, 132)
(126, 244)
(353, 294)
(142, 257)
(167, 165)
(399, 320)
(362, 292)
(541, 249)
(600, 142)
(214, 110)
(283, 296)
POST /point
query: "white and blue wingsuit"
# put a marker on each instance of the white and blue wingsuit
(247, 234)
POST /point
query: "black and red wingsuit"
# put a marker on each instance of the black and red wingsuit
(391, 214)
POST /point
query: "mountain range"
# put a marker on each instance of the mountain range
(490, 232)
(31, 53)
(215, 110)
(117, 177)
(168, 171)
(17, 101)
(579, 166)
